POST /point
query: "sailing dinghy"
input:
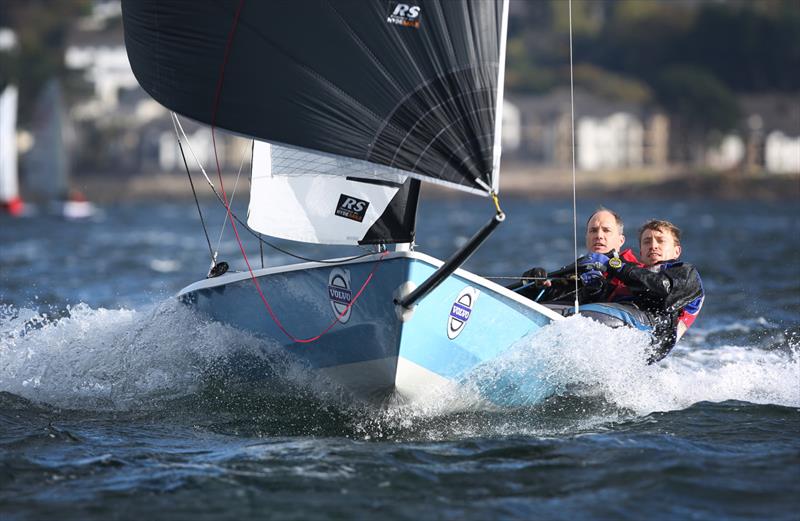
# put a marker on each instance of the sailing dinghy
(351, 105)
(48, 165)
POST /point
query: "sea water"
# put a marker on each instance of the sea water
(118, 403)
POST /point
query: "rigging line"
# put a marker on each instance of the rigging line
(261, 240)
(194, 193)
(233, 224)
(233, 194)
(261, 250)
(177, 121)
(518, 277)
(572, 129)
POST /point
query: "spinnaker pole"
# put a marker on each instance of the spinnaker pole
(453, 263)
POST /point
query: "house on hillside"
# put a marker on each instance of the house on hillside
(609, 135)
(773, 133)
(100, 54)
(768, 138)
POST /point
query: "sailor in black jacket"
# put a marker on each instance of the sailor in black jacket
(668, 290)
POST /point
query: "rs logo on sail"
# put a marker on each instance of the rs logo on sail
(351, 207)
(405, 15)
(460, 311)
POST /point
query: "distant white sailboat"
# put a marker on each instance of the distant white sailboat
(47, 164)
(10, 200)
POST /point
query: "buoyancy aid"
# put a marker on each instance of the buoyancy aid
(671, 293)
(618, 291)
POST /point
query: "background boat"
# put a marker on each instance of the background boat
(47, 163)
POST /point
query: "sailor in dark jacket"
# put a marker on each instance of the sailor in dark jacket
(668, 290)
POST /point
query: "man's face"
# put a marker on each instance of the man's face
(658, 245)
(602, 233)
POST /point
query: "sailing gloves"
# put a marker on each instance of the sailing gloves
(591, 266)
(594, 265)
(593, 279)
(600, 262)
(593, 262)
(536, 275)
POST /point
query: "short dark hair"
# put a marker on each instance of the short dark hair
(617, 218)
(661, 225)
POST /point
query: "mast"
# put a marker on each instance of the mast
(450, 265)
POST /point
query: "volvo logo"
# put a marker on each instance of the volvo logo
(339, 293)
(460, 311)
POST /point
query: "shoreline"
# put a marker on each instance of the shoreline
(525, 182)
(515, 181)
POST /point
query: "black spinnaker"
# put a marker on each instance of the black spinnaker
(414, 86)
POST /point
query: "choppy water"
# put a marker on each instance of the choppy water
(117, 404)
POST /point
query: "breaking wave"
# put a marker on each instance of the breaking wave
(123, 359)
(166, 358)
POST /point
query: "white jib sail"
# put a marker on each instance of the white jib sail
(312, 197)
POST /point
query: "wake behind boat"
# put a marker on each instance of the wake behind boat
(350, 109)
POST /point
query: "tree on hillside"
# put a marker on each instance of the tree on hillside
(747, 48)
(699, 103)
(41, 28)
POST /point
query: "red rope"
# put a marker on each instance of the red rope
(233, 221)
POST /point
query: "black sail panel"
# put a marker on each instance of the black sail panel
(410, 85)
(398, 221)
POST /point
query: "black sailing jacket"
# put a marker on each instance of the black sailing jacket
(665, 291)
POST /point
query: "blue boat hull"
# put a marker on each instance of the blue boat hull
(371, 350)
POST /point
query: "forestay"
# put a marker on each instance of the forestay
(415, 86)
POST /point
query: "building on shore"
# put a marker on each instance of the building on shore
(609, 135)
(618, 136)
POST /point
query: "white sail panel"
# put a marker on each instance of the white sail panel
(317, 198)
